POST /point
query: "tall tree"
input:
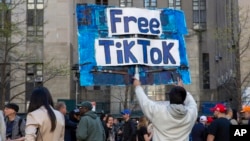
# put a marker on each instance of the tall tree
(239, 36)
(16, 53)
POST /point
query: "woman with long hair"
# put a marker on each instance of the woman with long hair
(109, 128)
(43, 122)
(142, 130)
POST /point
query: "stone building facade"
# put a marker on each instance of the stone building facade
(208, 49)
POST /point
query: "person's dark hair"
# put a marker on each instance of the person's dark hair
(177, 95)
(107, 119)
(41, 97)
(235, 116)
(234, 113)
(102, 116)
(72, 116)
(198, 119)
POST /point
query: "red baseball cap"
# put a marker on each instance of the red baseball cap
(219, 107)
(210, 119)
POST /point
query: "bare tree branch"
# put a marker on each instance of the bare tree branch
(16, 95)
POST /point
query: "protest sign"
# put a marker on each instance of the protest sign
(113, 40)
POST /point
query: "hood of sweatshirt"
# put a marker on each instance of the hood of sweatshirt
(178, 111)
(91, 114)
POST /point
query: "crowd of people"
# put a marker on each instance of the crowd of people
(46, 121)
(217, 126)
(176, 119)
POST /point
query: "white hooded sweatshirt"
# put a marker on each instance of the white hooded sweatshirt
(171, 122)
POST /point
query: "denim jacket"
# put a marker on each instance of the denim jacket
(17, 131)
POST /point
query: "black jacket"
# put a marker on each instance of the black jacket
(70, 130)
(129, 131)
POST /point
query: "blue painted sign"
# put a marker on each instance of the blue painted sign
(112, 40)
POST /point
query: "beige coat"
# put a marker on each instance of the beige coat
(40, 119)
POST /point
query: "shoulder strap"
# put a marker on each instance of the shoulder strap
(19, 126)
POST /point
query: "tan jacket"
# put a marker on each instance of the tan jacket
(40, 119)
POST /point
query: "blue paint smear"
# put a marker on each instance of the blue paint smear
(92, 24)
(173, 21)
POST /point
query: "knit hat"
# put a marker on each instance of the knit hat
(13, 106)
(245, 109)
(85, 104)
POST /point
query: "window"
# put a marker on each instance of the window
(5, 18)
(150, 3)
(97, 87)
(206, 72)
(102, 2)
(34, 77)
(35, 71)
(156, 92)
(35, 20)
(174, 4)
(126, 3)
(199, 14)
(6, 1)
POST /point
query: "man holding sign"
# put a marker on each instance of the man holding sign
(173, 120)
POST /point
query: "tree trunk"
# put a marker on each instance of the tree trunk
(125, 104)
(238, 77)
(2, 87)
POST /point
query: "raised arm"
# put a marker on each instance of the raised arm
(146, 104)
(189, 101)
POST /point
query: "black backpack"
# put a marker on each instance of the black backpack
(19, 126)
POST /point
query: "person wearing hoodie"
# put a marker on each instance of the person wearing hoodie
(90, 127)
(172, 120)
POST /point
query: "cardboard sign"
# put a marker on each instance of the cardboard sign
(112, 41)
